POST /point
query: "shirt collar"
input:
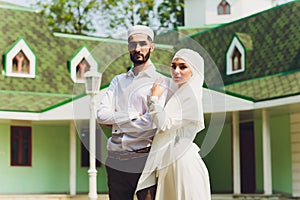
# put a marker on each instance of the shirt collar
(148, 72)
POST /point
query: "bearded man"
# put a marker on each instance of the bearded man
(124, 107)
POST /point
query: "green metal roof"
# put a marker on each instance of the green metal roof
(271, 69)
(272, 42)
(31, 102)
(53, 85)
(183, 31)
(246, 40)
(266, 88)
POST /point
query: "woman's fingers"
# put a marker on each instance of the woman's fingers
(159, 81)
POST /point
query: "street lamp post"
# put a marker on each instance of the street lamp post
(92, 84)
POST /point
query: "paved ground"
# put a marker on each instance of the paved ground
(105, 197)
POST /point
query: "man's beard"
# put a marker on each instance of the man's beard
(142, 61)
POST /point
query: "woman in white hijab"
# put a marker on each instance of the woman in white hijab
(174, 163)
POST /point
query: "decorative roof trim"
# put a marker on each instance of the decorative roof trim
(17, 7)
(68, 107)
(36, 93)
(263, 77)
(19, 45)
(83, 37)
(101, 39)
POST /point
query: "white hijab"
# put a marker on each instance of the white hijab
(190, 93)
(184, 105)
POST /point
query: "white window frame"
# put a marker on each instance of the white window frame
(235, 43)
(83, 53)
(20, 45)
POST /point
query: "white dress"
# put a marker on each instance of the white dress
(174, 163)
(186, 179)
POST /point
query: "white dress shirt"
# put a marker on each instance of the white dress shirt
(124, 106)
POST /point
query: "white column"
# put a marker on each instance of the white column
(72, 158)
(236, 153)
(266, 141)
(92, 170)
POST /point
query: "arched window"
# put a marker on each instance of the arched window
(20, 63)
(81, 68)
(236, 56)
(223, 8)
(81, 62)
(236, 60)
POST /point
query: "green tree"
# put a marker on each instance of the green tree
(114, 16)
(120, 14)
(69, 16)
(171, 13)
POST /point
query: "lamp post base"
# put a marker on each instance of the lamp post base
(92, 183)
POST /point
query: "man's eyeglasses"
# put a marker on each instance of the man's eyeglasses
(141, 44)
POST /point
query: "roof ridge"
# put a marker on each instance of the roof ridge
(35, 93)
(263, 77)
(7, 5)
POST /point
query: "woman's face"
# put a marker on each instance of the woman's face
(181, 72)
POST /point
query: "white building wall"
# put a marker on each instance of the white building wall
(295, 150)
(249, 7)
(194, 12)
(204, 12)
(212, 12)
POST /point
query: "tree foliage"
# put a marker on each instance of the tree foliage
(114, 16)
(167, 14)
(121, 14)
(69, 16)
(171, 13)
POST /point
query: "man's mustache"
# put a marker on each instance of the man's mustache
(137, 54)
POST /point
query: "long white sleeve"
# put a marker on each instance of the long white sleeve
(106, 113)
(162, 119)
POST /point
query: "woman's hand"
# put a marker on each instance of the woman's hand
(157, 89)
